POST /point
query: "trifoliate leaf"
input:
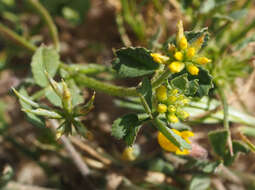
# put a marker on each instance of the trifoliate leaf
(134, 62)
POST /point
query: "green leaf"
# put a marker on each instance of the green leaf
(44, 59)
(218, 140)
(37, 121)
(238, 146)
(146, 91)
(204, 79)
(170, 135)
(160, 165)
(180, 82)
(204, 166)
(51, 95)
(200, 182)
(126, 128)
(43, 112)
(134, 62)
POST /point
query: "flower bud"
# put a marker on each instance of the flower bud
(192, 69)
(203, 60)
(161, 93)
(176, 67)
(190, 52)
(157, 57)
(66, 98)
(128, 154)
(171, 108)
(178, 56)
(162, 108)
(172, 118)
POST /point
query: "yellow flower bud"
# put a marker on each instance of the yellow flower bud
(172, 99)
(159, 58)
(128, 154)
(190, 52)
(161, 93)
(178, 56)
(203, 60)
(171, 108)
(172, 118)
(193, 70)
(162, 108)
(174, 91)
(183, 44)
(176, 67)
(198, 43)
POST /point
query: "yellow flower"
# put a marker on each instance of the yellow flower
(174, 91)
(178, 56)
(162, 108)
(183, 114)
(183, 43)
(161, 93)
(190, 52)
(128, 154)
(203, 60)
(159, 58)
(193, 70)
(169, 146)
(172, 118)
(176, 67)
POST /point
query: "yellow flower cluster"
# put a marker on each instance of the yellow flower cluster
(128, 154)
(170, 102)
(170, 147)
(182, 55)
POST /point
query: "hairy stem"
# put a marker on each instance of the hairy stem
(105, 87)
(19, 40)
(48, 20)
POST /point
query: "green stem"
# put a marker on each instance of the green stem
(158, 81)
(105, 87)
(225, 116)
(145, 105)
(6, 32)
(48, 20)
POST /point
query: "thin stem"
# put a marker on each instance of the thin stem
(105, 87)
(48, 20)
(165, 75)
(6, 32)
(145, 105)
(225, 117)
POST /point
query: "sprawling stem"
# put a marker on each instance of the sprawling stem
(105, 87)
(19, 40)
(225, 118)
(48, 20)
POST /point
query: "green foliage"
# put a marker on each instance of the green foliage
(72, 10)
(126, 127)
(44, 60)
(134, 62)
(35, 120)
(200, 182)
(193, 85)
(218, 140)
